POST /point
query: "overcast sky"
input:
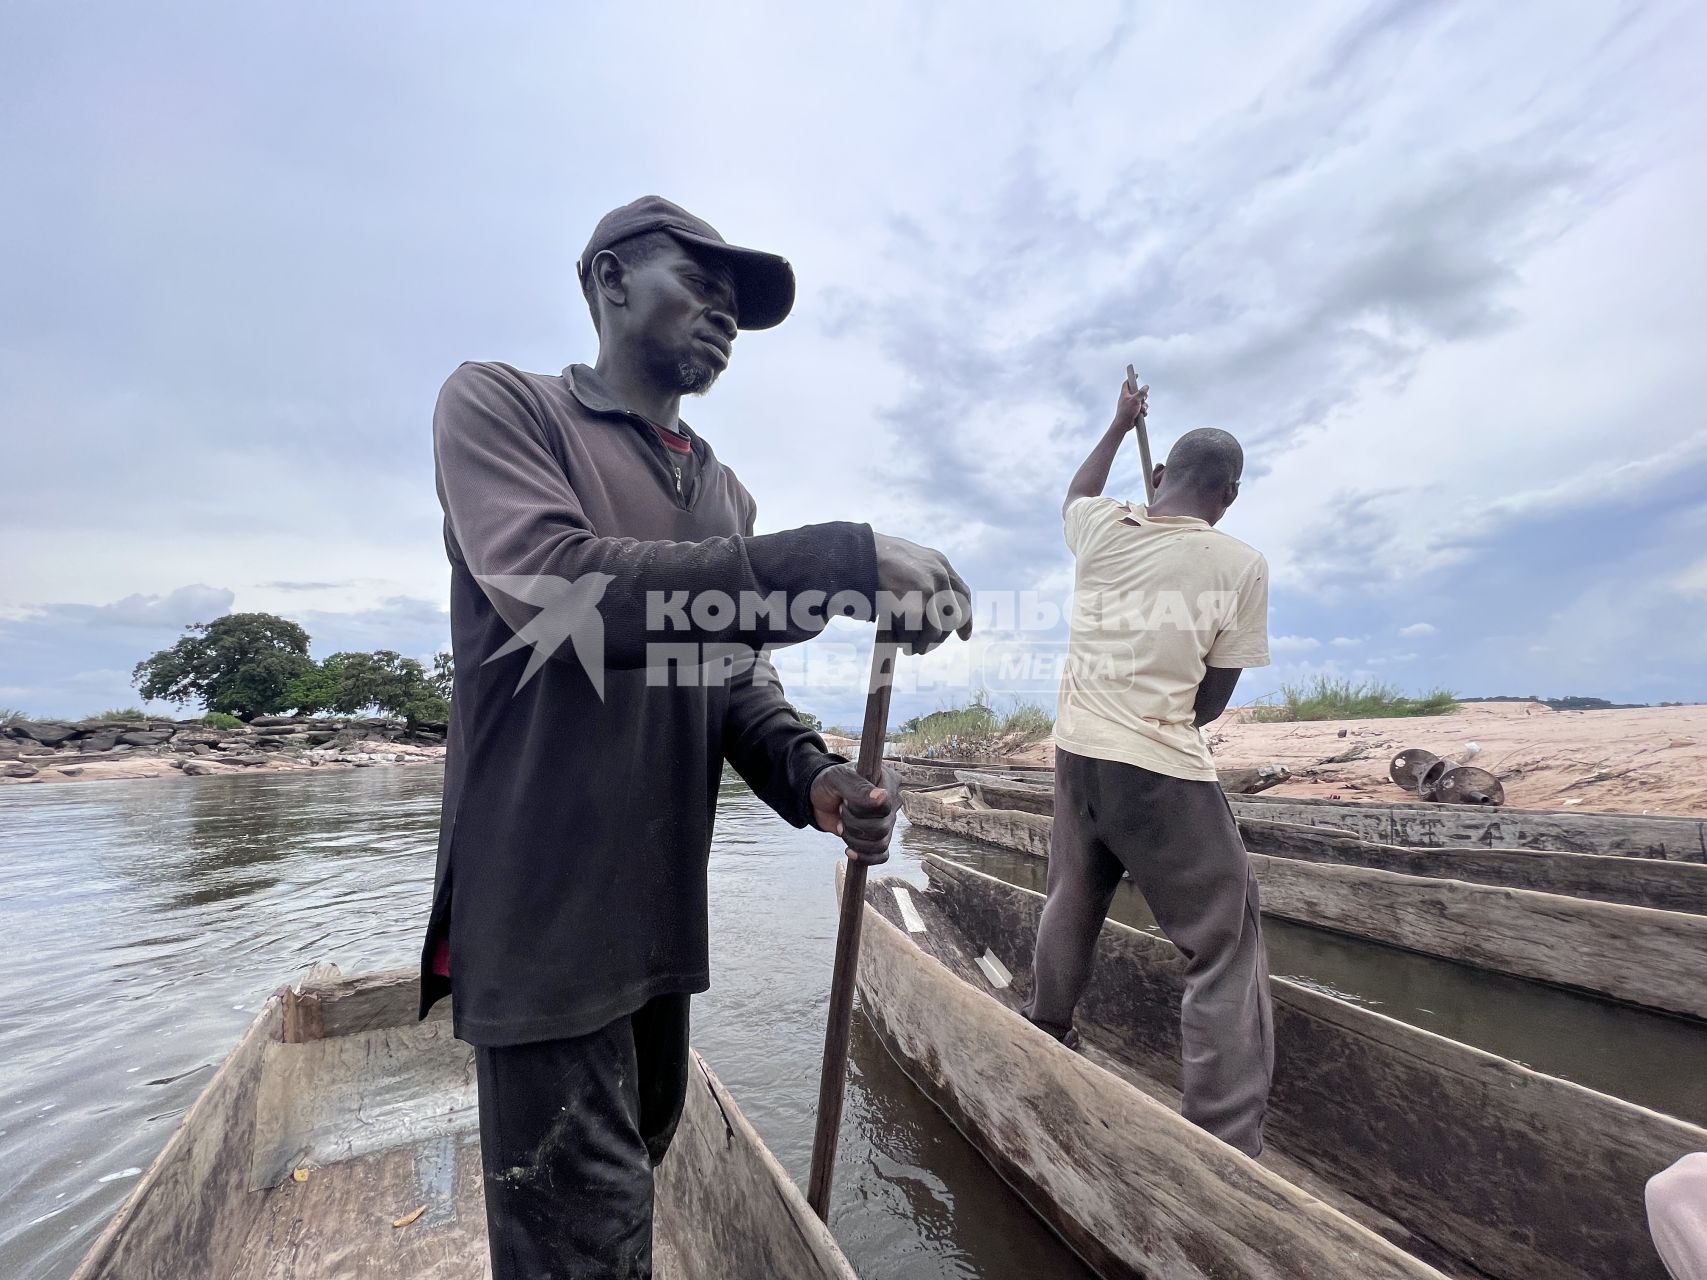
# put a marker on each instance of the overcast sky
(1439, 267)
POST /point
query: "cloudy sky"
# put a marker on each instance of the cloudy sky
(1439, 267)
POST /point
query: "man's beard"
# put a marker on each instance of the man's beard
(683, 374)
(694, 377)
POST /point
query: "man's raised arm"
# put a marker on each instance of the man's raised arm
(1092, 475)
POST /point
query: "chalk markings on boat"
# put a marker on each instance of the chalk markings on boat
(909, 913)
(995, 972)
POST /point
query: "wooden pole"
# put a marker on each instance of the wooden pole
(832, 1081)
(1143, 439)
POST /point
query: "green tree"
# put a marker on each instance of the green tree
(383, 681)
(243, 664)
(316, 689)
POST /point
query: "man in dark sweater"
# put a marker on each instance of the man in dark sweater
(610, 604)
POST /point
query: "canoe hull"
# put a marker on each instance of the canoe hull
(1665, 884)
(336, 1077)
(1636, 955)
(1412, 823)
(1131, 1187)
(1487, 1163)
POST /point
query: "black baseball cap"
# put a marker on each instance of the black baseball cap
(764, 282)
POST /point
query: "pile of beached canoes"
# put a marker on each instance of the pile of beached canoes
(1627, 921)
(1413, 823)
(1393, 1152)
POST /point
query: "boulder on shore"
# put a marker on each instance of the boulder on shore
(146, 737)
(50, 733)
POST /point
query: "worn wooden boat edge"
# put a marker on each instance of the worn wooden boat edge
(1425, 1128)
(1675, 837)
(1127, 1183)
(717, 1158)
(1664, 884)
(1641, 956)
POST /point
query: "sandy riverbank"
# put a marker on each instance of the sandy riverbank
(1642, 760)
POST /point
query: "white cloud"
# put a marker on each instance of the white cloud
(1392, 659)
(1417, 629)
(179, 608)
(1693, 580)
(1293, 644)
(1347, 642)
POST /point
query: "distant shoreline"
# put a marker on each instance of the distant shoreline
(33, 753)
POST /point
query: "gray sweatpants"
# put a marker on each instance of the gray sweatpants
(1181, 845)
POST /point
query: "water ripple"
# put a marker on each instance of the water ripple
(146, 921)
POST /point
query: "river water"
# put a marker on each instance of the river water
(144, 922)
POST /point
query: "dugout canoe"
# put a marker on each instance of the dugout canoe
(1641, 956)
(1393, 1152)
(1413, 824)
(1636, 882)
(335, 1077)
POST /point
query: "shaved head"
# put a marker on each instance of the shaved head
(1205, 461)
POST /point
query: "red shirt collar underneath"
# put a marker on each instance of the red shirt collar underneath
(681, 444)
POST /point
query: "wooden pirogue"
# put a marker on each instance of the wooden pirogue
(1414, 822)
(336, 1077)
(1393, 1152)
(1638, 882)
(1643, 956)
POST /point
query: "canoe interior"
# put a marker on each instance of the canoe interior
(1412, 823)
(1104, 1158)
(1640, 956)
(1475, 1164)
(336, 1078)
(1667, 885)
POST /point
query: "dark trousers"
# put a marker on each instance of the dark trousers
(570, 1131)
(1181, 845)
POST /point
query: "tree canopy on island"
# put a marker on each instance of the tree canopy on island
(255, 664)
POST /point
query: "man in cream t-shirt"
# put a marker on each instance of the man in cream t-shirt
(1167, 611)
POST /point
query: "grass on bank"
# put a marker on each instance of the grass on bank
(975, 730)
(1328, 698)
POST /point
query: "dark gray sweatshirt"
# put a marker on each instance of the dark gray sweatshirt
(571, 884)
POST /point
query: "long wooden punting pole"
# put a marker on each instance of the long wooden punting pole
(834, 1078)
(1143, 438)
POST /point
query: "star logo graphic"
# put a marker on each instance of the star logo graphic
(568, 612)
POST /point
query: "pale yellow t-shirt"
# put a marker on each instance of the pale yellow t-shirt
(1153, 605)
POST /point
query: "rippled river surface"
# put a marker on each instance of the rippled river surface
(144, 922)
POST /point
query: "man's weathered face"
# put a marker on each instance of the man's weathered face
(681, 312)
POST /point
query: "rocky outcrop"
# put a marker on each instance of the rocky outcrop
(52, 751)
